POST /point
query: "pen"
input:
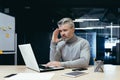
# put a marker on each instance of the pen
(10, 75)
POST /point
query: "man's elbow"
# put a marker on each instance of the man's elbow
(86, 62)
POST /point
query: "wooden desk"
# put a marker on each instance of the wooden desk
(111, 72)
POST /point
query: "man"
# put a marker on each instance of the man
(69, 51)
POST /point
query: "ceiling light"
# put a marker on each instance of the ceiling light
(83, 28)
(112, 26)
(82, 20)
(89, 28)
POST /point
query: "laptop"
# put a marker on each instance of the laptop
(31, 62)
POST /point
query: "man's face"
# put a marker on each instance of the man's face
(66, 31)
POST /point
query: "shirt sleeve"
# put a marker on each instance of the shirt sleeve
(55, 54)
(83, 61)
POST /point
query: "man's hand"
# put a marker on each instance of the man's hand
(53, 63)
(55, 35)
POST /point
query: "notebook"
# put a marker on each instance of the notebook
(30, 60)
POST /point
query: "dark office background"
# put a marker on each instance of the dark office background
(35, 21)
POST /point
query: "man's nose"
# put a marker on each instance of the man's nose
(62, 33)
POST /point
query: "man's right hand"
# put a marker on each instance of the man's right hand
(55, 36)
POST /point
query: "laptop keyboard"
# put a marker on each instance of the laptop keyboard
(44, 67)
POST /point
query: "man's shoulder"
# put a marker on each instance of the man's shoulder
(82, 40)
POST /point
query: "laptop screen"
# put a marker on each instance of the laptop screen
(28, 56)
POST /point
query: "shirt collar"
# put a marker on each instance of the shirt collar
(73, 39)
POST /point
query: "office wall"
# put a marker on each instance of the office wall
(100, 47)
(7, 59)
(118, 53)
(40, 42)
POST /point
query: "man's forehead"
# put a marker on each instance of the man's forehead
(64, 26)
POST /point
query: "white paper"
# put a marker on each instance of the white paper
(31, 76)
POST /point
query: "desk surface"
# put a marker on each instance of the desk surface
(111, 72)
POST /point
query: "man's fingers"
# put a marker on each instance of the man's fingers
(49, 64)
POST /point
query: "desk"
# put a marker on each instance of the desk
(111, 72)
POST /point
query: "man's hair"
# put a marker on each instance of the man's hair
(66, 21)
